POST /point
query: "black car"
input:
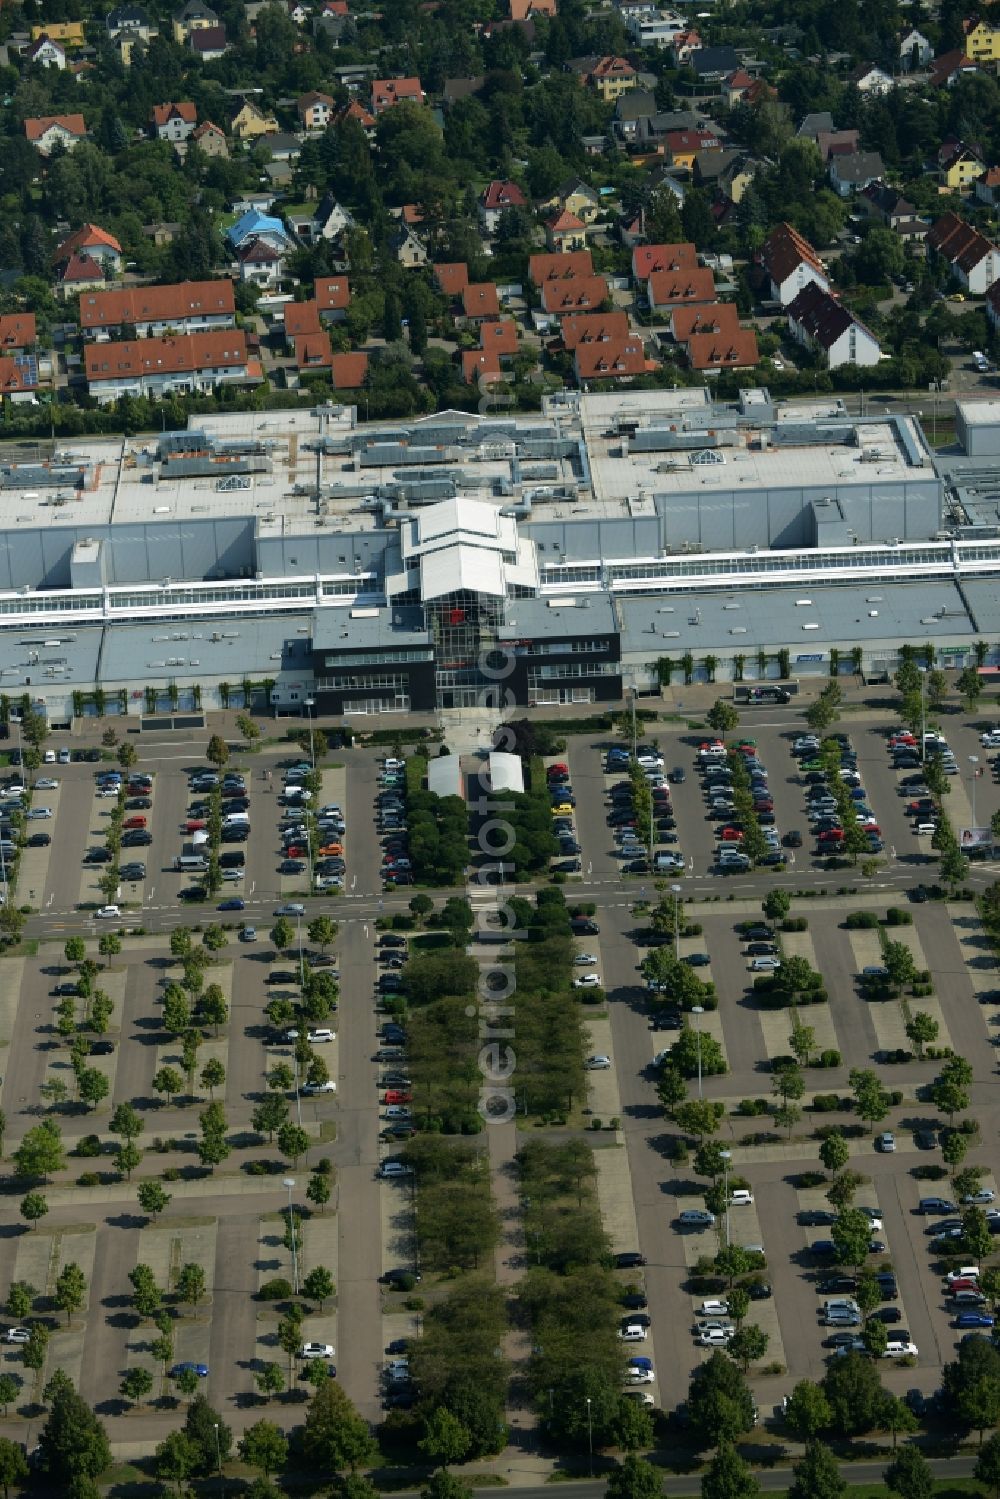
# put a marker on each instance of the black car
(390, 983)
(569, 846)
(665, 1020)
(235, 859)
(631, 1260)
(136, 838)
(918, 895)
(888, 1287)
(567, 866)
(393, 1277)
(760, 933)
(582, 926)
(634, 1301)
(678, 775)
(816, 1218)
(887, 1314)
(237, 834)
(62, 991)
(395, 1080)
(837, 1285)
(760, 1290)
(39, 840)
(138, 804)
(399, 1131)
(101, 1048)
(97, 856)
(393, 1034)
(792, 839)
(291, 866)
(133, 871)
(925, 1139)
(392, 941)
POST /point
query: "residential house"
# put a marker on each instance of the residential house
(729, 173)
(262, 202)
(682, 146)
(407, 248)
(302, 318)
(812, 124)
(80, 273)
(838, 143)
(388, 92)
(333, 297)
(249, 122)
(556, 267)
(481, 367)
(711, 353)
(982, 38)
(18, 378)
(154, 311)
(685, 288)
(66, 34)
(974, 260)
(565, 232)
(499, 338)
(260, 263)
(712, 64)
(356, 111)
(192, 16)
(452, 277)
(632, 228)
(47, 54)
(46, 131)
(987, 188)
(479, 303)
(735, 85)
(685, 44)
(593, 328)
(649, 258)
(495, 199)
(850, 173)
(208, 42)
(129, 20)
(993, 306)
(95, 242)
(609, 76)
(330, 22)
(639, 123)
(297, 12)
(253, 224)
(790, 263)
(349, 371)
(315, 111)
(959, 164)
(524, 10)
(820, 322)
(456, 89)
(210, 140)
(888, 207)
(574, 294)
(720, 318)
(182, 364)
(648, 26)
(871, 81)
(329, 220)
(915, 51)
(950, 66)
(620, 358)
(18, 334)
(576, 197)
(173, 122)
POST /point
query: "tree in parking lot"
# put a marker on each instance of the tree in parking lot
(110, 945)
(851, 1234)
(729, 1477)
(951, 1098)
(126, 1121)
(176, 1013)
(635, 1479)
(817, 1474)
(20, 1299)
(40, 1152)
(127, 1157)
(212, 1007)
(709, 1160)
(33, 1208)
(671, 1090)
(282, 934)
(190, 1283)
(269, 1115)
(748, 1345)
(739, 1303)
(318, 1285)
(218, 751)
(73, 1442)
(213, 1075)
(976, 1236)
(281, 1078)
(180, 943)
(322, 931)
(264, 1446)
(970, 684)
(168, 1081)
(153, 1199)
(126, 755)
(776, 905)
(13, 1464)
(875, 1336)
(807, 1412)
(93, 1086)
(698, 1117)
(334, 1436)
(293, 1142)
(445, 1439)
(855, 1394)
(720, 1405)
(145, 1291)
(834, 1153)
(898, 963)
(722, 717)
(71, 1288)
(318, 1191)
(922, 1029)
(732, 1260)
(189, 1054)
(871, 1101)
(445, 1485)
(685, 1052)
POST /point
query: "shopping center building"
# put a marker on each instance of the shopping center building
(283, 557)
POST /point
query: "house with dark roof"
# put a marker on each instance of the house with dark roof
(812, 124)
(838, 143)
(315, 111)
(820, 322)
(790, 263)
(850, 173)
(712, 64)
(208, 42)
(974, 260)
(871, 81)
(945, 70)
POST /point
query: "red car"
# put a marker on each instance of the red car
(832, 835)
(732, 835)
(558, 770)
(398, 1095)
(194, 824)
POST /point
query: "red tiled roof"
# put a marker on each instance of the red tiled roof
(14, 375)
(648, 258)
(256, 251)
(616, 360)
(740, 79)
(477, 362)
(452, 276)
(35, 129)
(312, 346)
(17, 330)
(181, 354)
(500, 195)
(185, 110)
(564, 223)
(593, 328)
(81, 267)
(349, 371)
(668, 288)
(720, 351)
(332, 293)
(389, 91)
(301, 317)
(500, 337)
(552, 265)
(85, 238)
(479, 299)
(717, 317)
(691, 140)
(156, 304)
(613, 67)
(356, 111)
(576, 294)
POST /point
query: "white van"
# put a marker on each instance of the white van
(236, 819)
(50, 757)
(191, 862)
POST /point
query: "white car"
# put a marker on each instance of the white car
(583, 959)
(108, 791)
(389, 1169)
(714, 1308)
(389, 763)
(39, 814)
(715, 1337)
(651, 762)
(964, 1272)
(741, 1197)
(640, 1376)
(317, 1350)
(46, 783)
(398, 1111)
(764, 965)
(633, 1332)
(901, 1350)
(991, 739)
(598, 1064)
(639, 1397)
(587, 981)
(108, 913)
(17, 1335)
(806, 742)
(874, 1219)
(328, 1087)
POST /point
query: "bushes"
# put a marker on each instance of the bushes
(828, 1058)
(828, 1103)
(897, 916)
(857, 920)
(753, 1107)
(88, 1145)
(794, 924)
(276, 1290)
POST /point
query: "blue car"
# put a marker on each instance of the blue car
(233, 905)
(974, 1319)
(200, 1369)
(640, 1363)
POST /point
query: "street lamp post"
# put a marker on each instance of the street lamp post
(310, 704)
(590, 1438)
(675, 891)
(727, 1156)
(974, 762)
(289, 1182)
(698, 1010)
(298, 1091)
(218, 1456)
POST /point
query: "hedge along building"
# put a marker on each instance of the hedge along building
(375, 568)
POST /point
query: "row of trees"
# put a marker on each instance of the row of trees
(550, 1039)
(438, 828)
